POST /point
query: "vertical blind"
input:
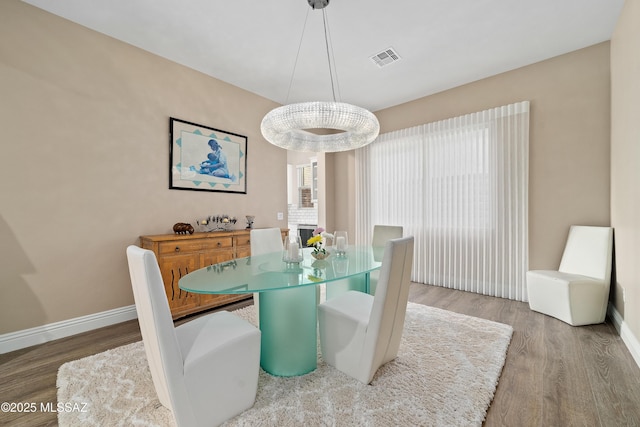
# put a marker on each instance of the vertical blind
(460, 187)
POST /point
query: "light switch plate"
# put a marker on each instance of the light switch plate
(280, 216)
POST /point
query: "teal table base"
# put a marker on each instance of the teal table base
(289, 333)
(356, 283)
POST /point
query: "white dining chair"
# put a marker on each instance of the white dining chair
(204, 371)
(360, 332)
(381, 235)
(578, 292)
(265, 240)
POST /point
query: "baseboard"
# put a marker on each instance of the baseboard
(53, 331)
(625, 333)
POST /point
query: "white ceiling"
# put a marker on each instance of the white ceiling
(443, 43)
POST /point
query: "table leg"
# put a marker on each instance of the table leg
(288, 322)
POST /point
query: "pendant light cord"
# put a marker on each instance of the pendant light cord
(329, 55)
(295, 64)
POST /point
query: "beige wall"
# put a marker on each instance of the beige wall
(85, 154)
(625, 161)
(569, 168)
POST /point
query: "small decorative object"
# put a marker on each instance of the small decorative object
(221, 268)
(292, 250)
(317, 242)
(216, 223)
(340, 241)
(183, 228)
(326, 237)
(319, 267)
(320, 255)
(250, 219)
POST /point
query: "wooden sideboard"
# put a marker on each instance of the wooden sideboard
(181, 254)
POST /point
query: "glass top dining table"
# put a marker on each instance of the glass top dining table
(288, 297)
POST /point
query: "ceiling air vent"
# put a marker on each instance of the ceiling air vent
(386, 57)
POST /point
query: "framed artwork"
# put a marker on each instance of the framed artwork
(203, 158)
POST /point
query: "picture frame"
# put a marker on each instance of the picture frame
(203, 158)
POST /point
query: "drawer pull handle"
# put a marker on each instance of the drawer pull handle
(219, 244)
(177, 248)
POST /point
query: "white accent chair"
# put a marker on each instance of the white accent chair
(578, 293)
(205, 371)
(381, 235)
(360, 332)
(263, 241)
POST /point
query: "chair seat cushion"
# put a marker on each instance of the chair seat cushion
(221, 353)
(572, 298)
(353, 305)
(559, 276)
(217, 330)
(343, 323)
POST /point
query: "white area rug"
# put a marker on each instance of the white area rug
(445, 374)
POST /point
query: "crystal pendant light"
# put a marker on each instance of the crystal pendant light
(343, 126)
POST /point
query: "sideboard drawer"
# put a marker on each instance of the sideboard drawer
(182, 246)
(243, 241)
(220, 242)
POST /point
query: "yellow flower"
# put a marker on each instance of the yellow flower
(313, 240)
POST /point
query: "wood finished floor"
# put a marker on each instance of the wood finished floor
(554, 375)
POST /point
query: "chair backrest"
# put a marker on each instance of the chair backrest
(383, 233)
(156, 325)
(588, 252)
(386, 321)
(265, 240)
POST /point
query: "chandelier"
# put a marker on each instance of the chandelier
(340, 126)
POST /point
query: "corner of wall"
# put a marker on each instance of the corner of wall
(629, 339)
